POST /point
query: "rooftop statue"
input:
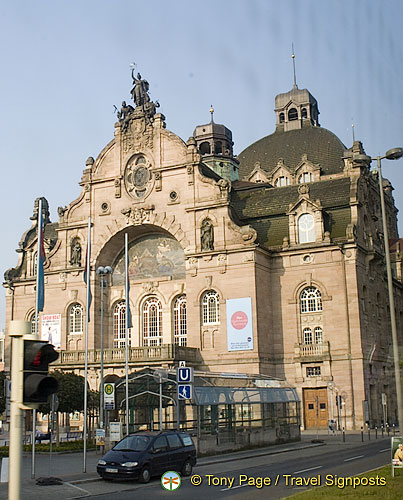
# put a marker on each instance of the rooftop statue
(140, 90)
(124, 115)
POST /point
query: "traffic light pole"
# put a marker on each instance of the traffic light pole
(17, 330)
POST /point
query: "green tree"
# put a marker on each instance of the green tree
(70, 393)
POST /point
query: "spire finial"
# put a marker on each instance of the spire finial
(352, 129)
(211, 112)
(293, 66)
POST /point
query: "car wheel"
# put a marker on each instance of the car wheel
(145, 475)
(187, 468)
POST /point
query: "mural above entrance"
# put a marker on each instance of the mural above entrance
(152, 256)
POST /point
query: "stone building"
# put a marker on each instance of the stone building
(268, 263)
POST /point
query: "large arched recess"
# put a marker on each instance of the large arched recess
(153, 252)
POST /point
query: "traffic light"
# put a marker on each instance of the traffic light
(37, 384)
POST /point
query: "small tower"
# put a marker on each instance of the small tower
(296, 109)
(214, 142)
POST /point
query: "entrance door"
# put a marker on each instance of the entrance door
(316, 408)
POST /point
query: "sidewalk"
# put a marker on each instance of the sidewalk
(69, 467)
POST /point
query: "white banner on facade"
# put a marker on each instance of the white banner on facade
(51, 329)
(239, 324)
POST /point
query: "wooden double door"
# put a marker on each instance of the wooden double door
(316, 412)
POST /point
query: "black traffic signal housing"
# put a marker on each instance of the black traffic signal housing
(37, 383)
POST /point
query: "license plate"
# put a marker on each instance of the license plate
(108, 469)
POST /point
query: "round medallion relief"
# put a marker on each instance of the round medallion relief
(138, 176)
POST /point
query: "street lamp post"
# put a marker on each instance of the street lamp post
(102, 272)
(392, 154)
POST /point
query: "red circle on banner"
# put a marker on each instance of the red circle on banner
(239, 320)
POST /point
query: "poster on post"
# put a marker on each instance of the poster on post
(51, 329)
(397, 452)
(239, 324)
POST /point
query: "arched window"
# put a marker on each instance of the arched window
(119, 324)
(311, 300)
(305, 177)
(318, 335)
(32, 321)
(292, 115)
(307, 336)
(304, 113)
(205, 148)
(75, 316)
(180, 327)
(152, 322)
(282, 181)
(218, 148)
(210, 308)
(306, 228)
(282, 117)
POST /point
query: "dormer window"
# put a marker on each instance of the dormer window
(292, 114)
(306, 228)
(305, 177)
(282, 181)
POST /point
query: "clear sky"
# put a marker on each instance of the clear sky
(64, 64)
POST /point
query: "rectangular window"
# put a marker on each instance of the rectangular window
(313, 371)
(174, 441)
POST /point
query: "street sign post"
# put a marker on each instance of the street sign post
(185, 375)
(109, 396)
(185, 391)
(115, 431)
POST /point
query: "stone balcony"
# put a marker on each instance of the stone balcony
(312, 352)
(168, 354)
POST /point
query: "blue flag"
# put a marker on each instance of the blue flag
(128, 315)
(86, 275)
(40, 280)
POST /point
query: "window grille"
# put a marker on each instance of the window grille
(119, 325)
(75, 319)
(152, 322)
(210, 308)
(180, 327)
(311, 300)
(313, 371)
(307, 336)
(306, 228)
(318, 335)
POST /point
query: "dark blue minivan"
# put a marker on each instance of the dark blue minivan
(145, 454)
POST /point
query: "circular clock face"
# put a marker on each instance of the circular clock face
(140, 176)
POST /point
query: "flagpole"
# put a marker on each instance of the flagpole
(127, 330)
(38, 256)
(87, 271)
(36, 328)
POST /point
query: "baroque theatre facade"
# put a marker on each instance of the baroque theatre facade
(268, 263)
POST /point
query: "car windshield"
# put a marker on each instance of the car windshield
(133, 443)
